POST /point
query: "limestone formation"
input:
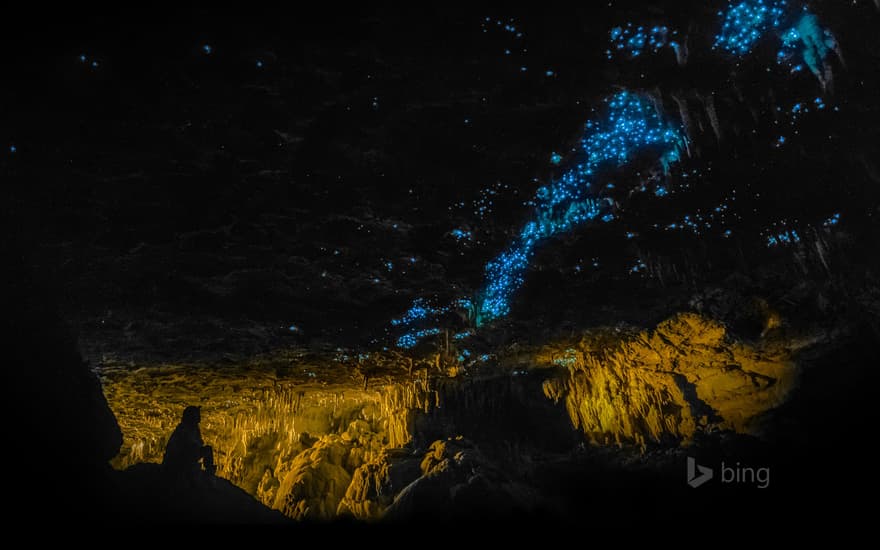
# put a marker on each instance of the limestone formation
(668, 383)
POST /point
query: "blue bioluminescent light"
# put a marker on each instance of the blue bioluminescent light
(207, 49)
(549, 72)
(83, 58)
(13, 149)
(783, 237)
(418, 311)
(410, 339)
(812, 41)
(259, 64)
(746, 22)
(461, 234)
(294, 328)
(631, 124)
(833, 220)
(632, 41)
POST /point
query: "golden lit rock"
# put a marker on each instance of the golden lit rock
(322, 446)
(670, 382)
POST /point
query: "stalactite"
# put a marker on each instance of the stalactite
(711, 113)
(681, 52)
(686, 121)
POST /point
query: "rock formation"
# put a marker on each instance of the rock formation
(667, 383)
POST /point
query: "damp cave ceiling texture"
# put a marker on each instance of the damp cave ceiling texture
(325, 172)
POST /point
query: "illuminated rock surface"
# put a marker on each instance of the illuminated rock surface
(665, 384)
(316, 451)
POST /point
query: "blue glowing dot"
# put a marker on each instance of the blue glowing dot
(523, 69)
(506, 52)
(207, 49)
(460, 234)
(467, 121)
(13, 149)
(727, 233)
(259, 64)
(661, 191)
(549, 73)
(555, 158)
(293, 328)
(83, 58)
(833, 220)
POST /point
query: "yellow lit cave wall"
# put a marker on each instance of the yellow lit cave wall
(685, 375)
(321, 445)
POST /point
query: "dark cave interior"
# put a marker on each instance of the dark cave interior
(427, 264)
